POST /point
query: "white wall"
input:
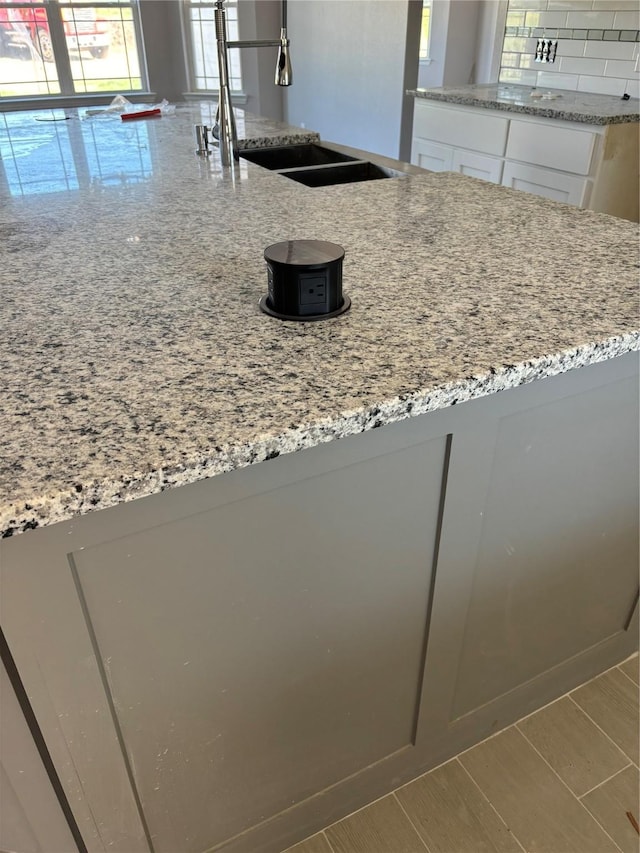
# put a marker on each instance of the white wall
(348, 60)
(260, 20)
(466, 41)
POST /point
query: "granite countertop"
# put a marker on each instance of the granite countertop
(135, 357)
(545, 103)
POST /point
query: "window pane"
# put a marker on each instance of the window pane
(101, 41)
(425, 32)
(26, 67)
(203, 47)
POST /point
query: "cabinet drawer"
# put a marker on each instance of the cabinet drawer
(461, 128)
(477, 166)
(428, 155)
(568, 188)
(555, 147)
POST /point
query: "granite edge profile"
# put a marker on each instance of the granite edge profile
(103, 494)
(277, 141)
(532, 109)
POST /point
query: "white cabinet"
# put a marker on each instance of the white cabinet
(543, 143)
(587, 165)
(568, 188)
(477, 165)
(430, 155)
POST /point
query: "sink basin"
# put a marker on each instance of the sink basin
(294, 156)
(341, 173)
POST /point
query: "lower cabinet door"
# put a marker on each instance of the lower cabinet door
(430, 155)
(477, 165)
(555, 185)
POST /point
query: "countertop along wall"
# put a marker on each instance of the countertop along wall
(597, 45)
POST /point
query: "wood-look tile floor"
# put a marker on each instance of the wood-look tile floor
(558, 781)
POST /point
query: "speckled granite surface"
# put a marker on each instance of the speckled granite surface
(135, 358)
(570, 106)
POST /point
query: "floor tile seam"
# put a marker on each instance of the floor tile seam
(575, 797)
(591, 720)
(635, 683)
(617, 745)
(491, 805)
(326, 838)
(405, 813)
(356, 811)
(604, 782)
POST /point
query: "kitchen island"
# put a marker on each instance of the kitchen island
(576, 147)
(256, 572)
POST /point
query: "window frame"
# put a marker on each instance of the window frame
(238, 95)
(68, 97)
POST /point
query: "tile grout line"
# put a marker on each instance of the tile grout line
(490, 737)
(635, 684)
(578, 705)
(613, 776)
(360, 809)
(501, 819)
(326, 838)
(415, 828)
(575, 797)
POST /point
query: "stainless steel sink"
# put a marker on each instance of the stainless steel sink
(294, 156)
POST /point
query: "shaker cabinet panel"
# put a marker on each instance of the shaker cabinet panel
(557, 564)
(477, 166)
(429, 155)
(278, 642)
(543, 144)
(485, 133)
(555, 185)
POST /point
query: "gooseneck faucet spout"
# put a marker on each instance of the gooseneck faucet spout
(225, 128)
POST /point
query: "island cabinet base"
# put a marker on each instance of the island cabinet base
(234, 664)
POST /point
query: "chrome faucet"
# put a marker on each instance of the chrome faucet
(225, 128)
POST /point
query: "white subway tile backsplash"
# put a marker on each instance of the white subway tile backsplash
(512, 44)
(633, 88)
(515, 19)
(619, 68)
(570, 5)
(597, 47)
(626, 21)
(550, 20)
(518, 75)
(572, 47)
(549, 80)
(581, 65)
(608, 50)
(626, 5)
(516, 5)
(591, 20)
(511, 60)
(602, 85)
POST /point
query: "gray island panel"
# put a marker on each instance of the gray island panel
(484, 388)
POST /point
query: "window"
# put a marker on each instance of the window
(201, 44)
(424, 54)
(425, 32)
(62, 47)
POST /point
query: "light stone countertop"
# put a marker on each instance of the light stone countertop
(582, 107)
(135, 358)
